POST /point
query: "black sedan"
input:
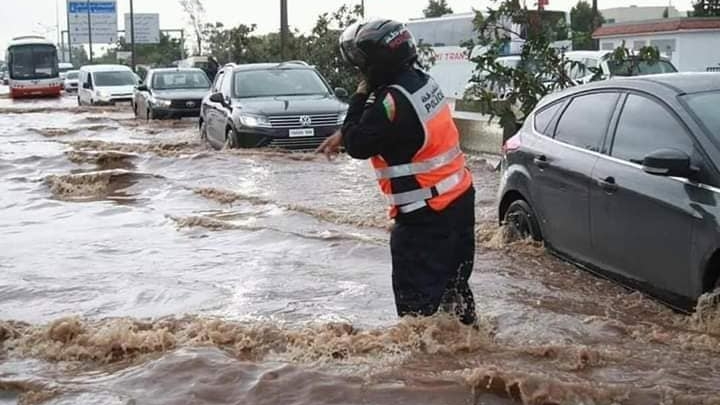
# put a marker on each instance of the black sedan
(168, 93)
(622, 177)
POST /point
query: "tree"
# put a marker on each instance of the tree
(196, 17)
(666, 12)
(323, 50)
(582, 24)
(541, 70)
(706, 8)
(437, 8)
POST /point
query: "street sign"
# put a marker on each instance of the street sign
(147, 28)
(123, 56)
(103, 21)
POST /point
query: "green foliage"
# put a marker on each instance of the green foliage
(437, 8)
(541, 70)
(509, 93)
(706, 8)
(319, 48)
(583, 23)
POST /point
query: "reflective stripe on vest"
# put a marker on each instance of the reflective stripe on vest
(420, 167)
(414, 196)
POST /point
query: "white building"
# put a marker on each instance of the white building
(635, 13)
(692, 44)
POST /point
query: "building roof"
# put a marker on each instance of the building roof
(655, 26)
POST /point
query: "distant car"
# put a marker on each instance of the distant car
(63, 68)
(623, 177)
(70, 84)
(105, 84)
(172, 92)
(286, 105)
(5, 76)
(609, 68)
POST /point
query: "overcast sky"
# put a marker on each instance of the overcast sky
(19, 17)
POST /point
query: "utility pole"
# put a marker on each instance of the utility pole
(89, 30)
(67, 15)
(362, 8)
(57, 24)
(283, 28)
(595, 24)
(132, 37)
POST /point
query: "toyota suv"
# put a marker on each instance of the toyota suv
(288, 105)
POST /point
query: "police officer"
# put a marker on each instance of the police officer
(399, 119)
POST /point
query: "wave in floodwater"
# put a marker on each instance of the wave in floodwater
(54, 131)
(115, 340)
(163, 149)
(89, 186)
(433, 350)
(228, 197)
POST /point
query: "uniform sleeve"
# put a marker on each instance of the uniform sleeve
(369, 125)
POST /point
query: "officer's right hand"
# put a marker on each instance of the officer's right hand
(362, 87)
(331, 146)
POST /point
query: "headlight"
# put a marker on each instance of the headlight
(102, 94)
(341, 117)
(251, 120)
(160, 102)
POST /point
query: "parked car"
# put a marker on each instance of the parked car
(5, 76)
(171, 92)
(623, 177)
(70, 84)
(106, 84)
(609, 68)
(271, 104)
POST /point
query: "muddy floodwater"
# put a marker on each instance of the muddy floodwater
(139, 267)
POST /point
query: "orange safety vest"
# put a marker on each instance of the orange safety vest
(439, 165)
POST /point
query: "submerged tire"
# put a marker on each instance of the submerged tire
(231, 139)
(521, 223)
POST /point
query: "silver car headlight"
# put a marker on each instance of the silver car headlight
(252, 120)
(102, 94)
(341, 117)
(160, 102)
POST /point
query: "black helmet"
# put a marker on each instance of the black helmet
(378, 44)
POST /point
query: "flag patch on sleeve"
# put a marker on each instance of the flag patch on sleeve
(389, 105)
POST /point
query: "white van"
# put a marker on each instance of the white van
(106, 84)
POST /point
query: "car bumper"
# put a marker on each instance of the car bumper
(280, 137)
(176, 112)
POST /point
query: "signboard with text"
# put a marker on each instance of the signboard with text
(147, 28)
(100, 15)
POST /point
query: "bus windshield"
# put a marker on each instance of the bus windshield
(29, 62)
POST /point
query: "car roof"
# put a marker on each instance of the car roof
(587, 54)
(668, 83)
(265, 66)
(175, 69)
(104, 68)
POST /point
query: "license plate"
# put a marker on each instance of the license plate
(296, 133)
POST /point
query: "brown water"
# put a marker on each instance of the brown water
(139, 267)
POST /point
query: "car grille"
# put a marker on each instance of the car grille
(296, 143)
(302, 120)
(182, 104)
(122, 95)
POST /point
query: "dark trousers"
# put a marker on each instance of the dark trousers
(432, 256)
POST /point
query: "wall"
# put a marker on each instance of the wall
(700, 50)
(693, 51)
(476, 134)
(628, 14)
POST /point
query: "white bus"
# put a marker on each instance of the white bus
(33, 67)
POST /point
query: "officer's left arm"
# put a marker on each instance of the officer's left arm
(368, 134)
